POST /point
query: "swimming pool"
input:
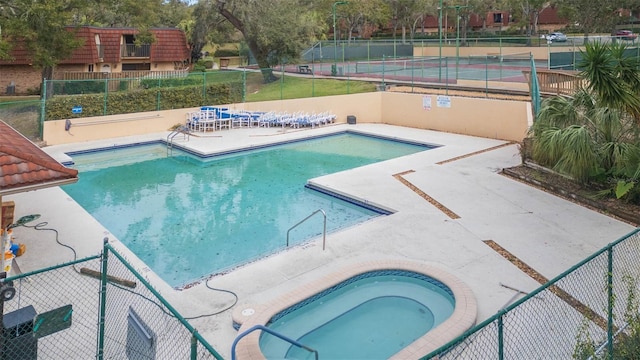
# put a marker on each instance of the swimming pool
(386, 308)
(370, 316)
(187, 217)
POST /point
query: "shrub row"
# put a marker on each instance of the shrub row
(226, 53)
(153, 99)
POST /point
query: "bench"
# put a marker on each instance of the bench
(304, 69)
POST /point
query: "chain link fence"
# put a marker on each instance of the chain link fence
(98, 307)
(582, 314)
(378, 62)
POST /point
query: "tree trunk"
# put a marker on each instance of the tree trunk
(260, 54)
(262, 60)
(47, 74)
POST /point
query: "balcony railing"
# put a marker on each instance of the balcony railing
(135, 51)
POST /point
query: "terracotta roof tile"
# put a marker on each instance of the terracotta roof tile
(549, 15)
(171, 45)
(24, 166)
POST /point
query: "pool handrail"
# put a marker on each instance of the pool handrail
(324, 230)
(278, 335)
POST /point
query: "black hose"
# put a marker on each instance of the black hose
(41, 227)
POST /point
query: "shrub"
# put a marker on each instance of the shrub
(78, 87)
(153, 99)
(226, 53)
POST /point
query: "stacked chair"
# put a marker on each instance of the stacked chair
(212, 118)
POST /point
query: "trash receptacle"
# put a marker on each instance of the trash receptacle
(18, 340)
(351, 119)
(11, 89)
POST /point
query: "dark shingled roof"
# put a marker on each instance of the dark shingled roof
(24, 166)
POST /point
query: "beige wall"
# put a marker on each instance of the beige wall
(539, 53)
(499, 119)
(105, 127)
(489, 118)
(481, 84)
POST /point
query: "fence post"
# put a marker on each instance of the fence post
(158, 106)
(383, 85)
(194, 346)
(103, 300)
(610, 301)
(500, 338)
(106, 94)
(204, 89)
(486, 78)
(348, 78)
(244, 85)
(43, 102)
(281, 80)
(446, 66)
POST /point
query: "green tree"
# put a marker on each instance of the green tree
(276, 31)
(172, 13)
(41, 27)
(527, 12)
(591, 16)
(140, 14)
(45, 27)
(408, 14)
(594, 136)
(355, 16)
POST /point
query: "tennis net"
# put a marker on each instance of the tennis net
(396, 64)
(513, 58)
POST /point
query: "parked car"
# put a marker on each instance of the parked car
(556, 37)
(625, 35)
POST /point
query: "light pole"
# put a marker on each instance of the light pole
(458, 7)
(334, 68)
(440, 43)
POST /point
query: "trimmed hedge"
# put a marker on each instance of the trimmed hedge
(154, 99)
(74, 87)
(226, 53)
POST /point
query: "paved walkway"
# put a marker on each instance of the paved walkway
(548, 233)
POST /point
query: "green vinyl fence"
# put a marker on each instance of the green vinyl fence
(588, 312)
(93, 308)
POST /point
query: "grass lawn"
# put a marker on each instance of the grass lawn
(4, 99)
(294, 87)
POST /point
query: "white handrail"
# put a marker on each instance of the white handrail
(324, 230)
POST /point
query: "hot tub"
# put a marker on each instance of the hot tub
(373, 311)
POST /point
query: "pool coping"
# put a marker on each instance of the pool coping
(463, 317)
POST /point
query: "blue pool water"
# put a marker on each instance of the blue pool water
(188, 217)
(372, 316)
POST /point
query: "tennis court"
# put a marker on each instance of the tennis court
(492, 67)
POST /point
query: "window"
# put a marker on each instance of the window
(497, 18)
(90, 69)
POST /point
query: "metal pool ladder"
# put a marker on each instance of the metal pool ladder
(179, 130)
(324, 230)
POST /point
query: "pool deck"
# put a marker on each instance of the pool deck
(476, 204)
